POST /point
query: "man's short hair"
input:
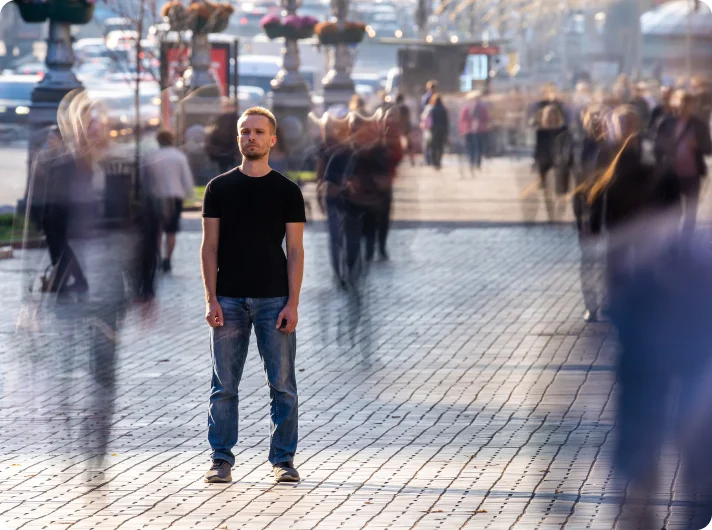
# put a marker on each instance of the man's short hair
(261, 111)
(165, 138)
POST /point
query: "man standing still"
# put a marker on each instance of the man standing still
(249, 283)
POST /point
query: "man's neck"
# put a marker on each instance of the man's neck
(255, 168)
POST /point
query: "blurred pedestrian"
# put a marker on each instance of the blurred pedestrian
(639, 101)
(405, 126)
(545, 132)
(221, 143)
(431, 88)
(622, 91)
(379, 163)
(550, 126)
(682, 142)
(57, 175)
(168, 181)
(250, 283)
(42, 202)
(659, 294)
(661, 111)
(358, 104)
(425, 125)
(439, 128)
(352, 180)
(117, 261)
(334, 156)
(700, 92)
(593, 159)
(629, 188)
(473, 125)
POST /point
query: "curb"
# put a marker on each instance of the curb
(19, 244)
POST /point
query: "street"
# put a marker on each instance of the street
(13, 173)
(464, 390)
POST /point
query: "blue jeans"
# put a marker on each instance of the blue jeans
(228, 346)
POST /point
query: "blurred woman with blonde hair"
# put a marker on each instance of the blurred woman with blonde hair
(628, 189)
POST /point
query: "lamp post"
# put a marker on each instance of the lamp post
(338, 85)
(58, 81)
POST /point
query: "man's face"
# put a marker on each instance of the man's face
(256, 137)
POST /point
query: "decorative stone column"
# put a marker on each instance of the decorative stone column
(200, 61)
(291, 100)
(338, 85)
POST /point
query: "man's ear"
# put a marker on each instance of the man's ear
(273, 141)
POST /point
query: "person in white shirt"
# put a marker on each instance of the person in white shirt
(168, 181)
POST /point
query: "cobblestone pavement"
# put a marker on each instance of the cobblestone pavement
(463, 391)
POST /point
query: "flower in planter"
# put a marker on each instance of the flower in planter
(326, 27)
(169, 6)
(309, 22)
(270, 20)
(355, 26)
(293, 21)
(201, 9)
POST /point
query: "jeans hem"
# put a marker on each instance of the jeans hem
(217, 455)
(282, 460)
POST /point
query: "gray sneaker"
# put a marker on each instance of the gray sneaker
(285, 472)
(220, 472)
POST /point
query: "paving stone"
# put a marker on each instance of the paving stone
(462, 391)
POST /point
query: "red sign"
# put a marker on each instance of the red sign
(483, 50)
(178, 58)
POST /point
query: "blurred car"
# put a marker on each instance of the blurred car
(36, 68)
(15, 103)
(87, 49)
(121, 40)
(94, 72)
(120, 107)
(246, 20)
(319, 10)
(250, 96)
(386, 24)
(371, 80)
(260, 70)
(118, 24)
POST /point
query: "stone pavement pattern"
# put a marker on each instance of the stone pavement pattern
(504, 191)
(463, 391)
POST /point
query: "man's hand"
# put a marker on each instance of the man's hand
(214, 315)
(289, 313)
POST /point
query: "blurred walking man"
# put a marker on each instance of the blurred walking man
(249, 282)
(168, 181)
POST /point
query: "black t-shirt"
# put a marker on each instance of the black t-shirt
(253, 212)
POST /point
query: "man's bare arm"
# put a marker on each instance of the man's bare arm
(209, 268)
(295, 271)
(295, 260)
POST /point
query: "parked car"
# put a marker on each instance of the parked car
(15, 103)
(37, 69)
(246, 20)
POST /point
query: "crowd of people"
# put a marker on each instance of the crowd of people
(356, 163)
(632, 165)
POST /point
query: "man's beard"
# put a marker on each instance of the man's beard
(253, 155)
